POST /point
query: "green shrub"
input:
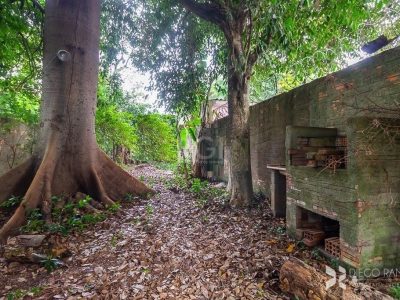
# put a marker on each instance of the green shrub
(21, 294)
(129, 197)
(197, 186)
(203, 191)
(84, 202)
(51, 264)
(149, 210)
(34, 223)
(11, 203)
(395, 291)
(156, 138)
(65, 219)
(114, 208)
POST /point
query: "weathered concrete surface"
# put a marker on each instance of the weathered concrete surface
(364, 197)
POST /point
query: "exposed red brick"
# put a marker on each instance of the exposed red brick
(344, 86)
(349, 254)
(332, 246)
(322, 95)
(340, 87)
(394, 78)
(313, 237)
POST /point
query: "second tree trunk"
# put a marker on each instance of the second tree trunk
(239, 138)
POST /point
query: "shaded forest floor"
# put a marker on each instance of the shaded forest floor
(168, 247)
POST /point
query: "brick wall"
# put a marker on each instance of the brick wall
(326, 102)
(364, 198)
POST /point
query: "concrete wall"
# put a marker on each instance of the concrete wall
(325, 102)
(364, 198)
(375, 168)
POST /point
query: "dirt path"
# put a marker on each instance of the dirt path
(165, 248)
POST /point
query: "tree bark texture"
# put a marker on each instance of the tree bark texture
(67, 159)
(234, 23)
(238, 138)
(307, 283)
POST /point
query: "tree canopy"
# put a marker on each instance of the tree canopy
(295, 41)
(21, 34)
(21, 25)
(184, 54)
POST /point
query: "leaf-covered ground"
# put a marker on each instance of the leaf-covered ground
(165, 248)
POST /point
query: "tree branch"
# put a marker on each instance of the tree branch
(249, 34)
(254, 55)
(38, 6)
(209, 12)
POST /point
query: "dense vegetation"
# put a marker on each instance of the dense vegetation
(258, 49)
(62, 66)
(186, 58)
(122, 122)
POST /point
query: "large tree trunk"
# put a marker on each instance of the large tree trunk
(238, 134)
(199, 168)
(67, 159)
(233, 19)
